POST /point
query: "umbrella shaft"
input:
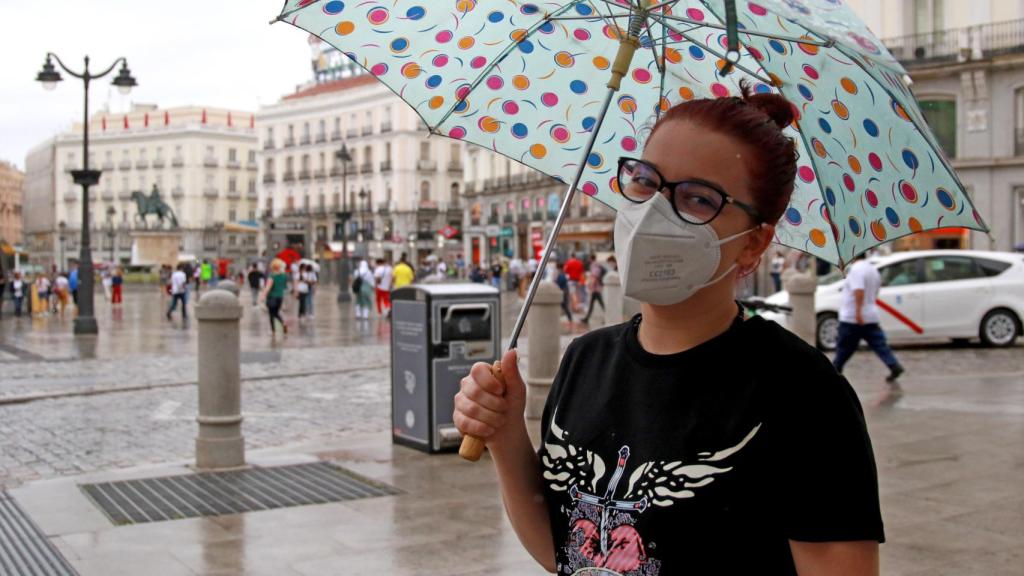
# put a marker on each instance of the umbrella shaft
(563, 211)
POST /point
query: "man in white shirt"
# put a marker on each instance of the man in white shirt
(382, 286)
(859, 319)
(179, 291)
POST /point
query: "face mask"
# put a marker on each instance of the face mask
(663, 259)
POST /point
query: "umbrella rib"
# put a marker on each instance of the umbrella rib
(603, 17)
(823, 44)
(494, 63)
(284, 15)
(711, 50)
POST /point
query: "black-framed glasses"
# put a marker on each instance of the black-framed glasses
(695, 201)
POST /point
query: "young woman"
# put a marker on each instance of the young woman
(687, 440)
(274, 290)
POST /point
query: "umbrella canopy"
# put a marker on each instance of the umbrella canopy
(289, 256)
(312, 263)
(526, 79)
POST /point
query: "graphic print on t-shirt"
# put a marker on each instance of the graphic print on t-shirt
(604, 539)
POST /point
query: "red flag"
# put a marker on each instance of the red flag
(145, 120)
(104, 123)
(252, 120)
(204, 115)
(167, 117)
(229, 119)
(125, 121)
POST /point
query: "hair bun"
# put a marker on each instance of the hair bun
(775, 106)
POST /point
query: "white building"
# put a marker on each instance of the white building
(403, 188)
(203, 162)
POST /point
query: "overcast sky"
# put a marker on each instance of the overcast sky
(218, 53)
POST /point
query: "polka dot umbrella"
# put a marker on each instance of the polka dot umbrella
(568, 86)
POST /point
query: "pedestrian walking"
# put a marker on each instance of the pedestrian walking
(18, 290)
(595, 284)
(382, 276)
(73, 283)
(255, 278)
(859, 319)
(42, 303)
(776, 267)
(496, 274)
(300, 281)
(274, 290)
(562, 280)
(61, 293)
(577, 289)
(3, 288)
(116, 283)
(730, 443)
(178, 283)
(206, 273)
(403, 274)
(363, 289)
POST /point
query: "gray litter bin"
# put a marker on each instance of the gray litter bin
(438, 331)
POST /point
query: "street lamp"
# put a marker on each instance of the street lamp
(363, 246)
(85, 322)
(344, 157)
(63, 229)
(110, 230)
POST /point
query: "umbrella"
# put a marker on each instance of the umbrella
(289, 256)
(308, 262)
(566, 87)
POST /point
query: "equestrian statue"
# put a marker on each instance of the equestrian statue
(153, 204)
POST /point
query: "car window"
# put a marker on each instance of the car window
(900, 274)
(949, 268)
(833, 276)
(991, 267)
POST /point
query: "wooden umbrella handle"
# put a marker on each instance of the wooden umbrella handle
(472, 447)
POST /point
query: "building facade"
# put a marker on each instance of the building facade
(398, 193)
(966, 60)
(202, 161)
(12, 183)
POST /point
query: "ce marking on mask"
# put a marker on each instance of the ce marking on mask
(662, 268)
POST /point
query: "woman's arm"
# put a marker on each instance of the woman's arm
(858, 558)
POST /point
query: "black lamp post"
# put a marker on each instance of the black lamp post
(344, 216)
(63, 237)
(110, 230)
(85, 322)
(363, 248)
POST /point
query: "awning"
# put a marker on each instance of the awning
(249, 226)
(7, 249)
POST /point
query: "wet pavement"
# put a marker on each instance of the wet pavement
(950, 453)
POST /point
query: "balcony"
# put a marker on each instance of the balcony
(508, 218)
(321, 138)
(426, 165)
(289, 176)
(252, 194)
(351, 133)
(385, 166)
(125, 165)
(427, 206)
(336, 172)
(335, 135)
(384, 208)
(108, 165)
(177, 162)
(304, 174)
(524, 217)
(142, 164)
(71, 196)
(210, 192)
(236, 193)
(958, 44)
(210, 162)
(1018, 142)
(385, 127)
(158, 163)
(366, 168)
(538, 215)
(125, 194)
(177, 192)
(320, 174)
(269, 178)
(251, 166)
(289, 142)
(304, 140)
(234, 164)
(107, 194)
(367, 130)
(455, 167)
(268, 145)
(470, 189)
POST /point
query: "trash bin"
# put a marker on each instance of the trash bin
(438, 331)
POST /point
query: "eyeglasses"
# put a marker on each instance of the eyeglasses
(695, 201)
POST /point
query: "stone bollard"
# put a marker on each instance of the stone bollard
(220, 443)
(228, 285)
(543, 346)
(612, 298)
(803, 321)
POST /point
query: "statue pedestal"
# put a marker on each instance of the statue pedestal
(155, 247)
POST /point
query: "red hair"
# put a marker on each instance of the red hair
(756, 121)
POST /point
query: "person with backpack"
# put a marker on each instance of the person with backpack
(255, 278)
(562, 280)
(362, 287)
(595, 283)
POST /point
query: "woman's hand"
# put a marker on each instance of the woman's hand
(488, 409)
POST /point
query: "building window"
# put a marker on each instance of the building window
(929, 16)
(425, 191)
(159, 152)
(1018, 122)
(270, 134)
(387, 151)
(232, 154)
(269, 168)
(424, 150)
(252, 187)
(940, 113)
(1018, 216)
(232, 184)
(232, 213)
(252, 156)
(252, 214)
(368, 155)
(454, 192)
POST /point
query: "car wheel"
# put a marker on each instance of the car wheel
(999, 328)
(828, 331)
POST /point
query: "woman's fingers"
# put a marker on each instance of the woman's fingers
(470, 427)
(481, 374)
(472, 390)
(478, 412)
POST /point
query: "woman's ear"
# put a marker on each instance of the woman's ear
(758, 241)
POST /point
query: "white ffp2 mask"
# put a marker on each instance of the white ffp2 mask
(662, 258)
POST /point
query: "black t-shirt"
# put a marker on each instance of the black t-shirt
(703, 462)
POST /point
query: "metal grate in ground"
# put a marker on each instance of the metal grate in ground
(218, 493)
(24, 549)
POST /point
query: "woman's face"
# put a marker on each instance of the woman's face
(681, 150)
